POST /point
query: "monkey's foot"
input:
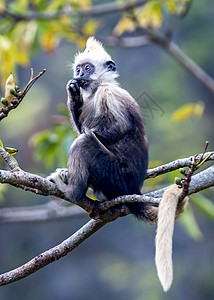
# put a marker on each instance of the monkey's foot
(59, 177)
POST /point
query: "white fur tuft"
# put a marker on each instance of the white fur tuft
(93, 53)
(93, 45)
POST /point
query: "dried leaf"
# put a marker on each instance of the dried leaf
(49, 41)
(151, 15)
(124, 24)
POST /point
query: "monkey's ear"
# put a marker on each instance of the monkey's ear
(110, 66)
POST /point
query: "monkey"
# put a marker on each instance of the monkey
(110, 153)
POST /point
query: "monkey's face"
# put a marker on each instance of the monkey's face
(83, 74)
(89, 75)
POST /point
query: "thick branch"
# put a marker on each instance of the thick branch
(42, 186)
(199, 182)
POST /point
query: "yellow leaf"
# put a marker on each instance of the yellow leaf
(80, 41)
(90, 194)
(55, 5)
(90, 27)
(5, 43)
(2, 5)
(151, 15)
(171, 6)
(176, 6)
(20, 5)
(49, 41)
(188, 111)
(124, 24)
(81, 3)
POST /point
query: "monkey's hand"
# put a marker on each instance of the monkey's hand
(74, 102)
(60, 178)
(73, 91)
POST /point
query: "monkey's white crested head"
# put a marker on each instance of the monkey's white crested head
(94, 52)
(93, 45)
(104, 68)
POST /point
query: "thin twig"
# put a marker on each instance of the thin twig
(176, 164)
(20, 95)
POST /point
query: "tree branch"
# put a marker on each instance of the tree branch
(176, 52)
(40, 213)
(173, 49)
(199, 182)
(96, 10)
(126, 42)
(42, 186)
(157, 38)
(176, 164)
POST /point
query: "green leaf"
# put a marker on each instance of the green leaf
(11, 151)
(189, 223)
(204, 205)
(52, 146)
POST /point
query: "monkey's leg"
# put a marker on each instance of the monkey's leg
(78, 172)
(74, 102)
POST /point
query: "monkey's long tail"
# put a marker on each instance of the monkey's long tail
(163, 240)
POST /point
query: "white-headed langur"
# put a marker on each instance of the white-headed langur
(110, 154)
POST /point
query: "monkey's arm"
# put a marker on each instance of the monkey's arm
(74, 103)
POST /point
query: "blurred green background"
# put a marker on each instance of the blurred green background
(118, 261)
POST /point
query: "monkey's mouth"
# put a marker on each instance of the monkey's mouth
(83, 83)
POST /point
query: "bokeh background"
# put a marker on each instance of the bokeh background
(118, 261)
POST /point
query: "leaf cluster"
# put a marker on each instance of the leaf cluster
(52, 145)
(21, 37)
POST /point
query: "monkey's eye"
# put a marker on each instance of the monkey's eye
(77, 70)
(88, 68)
